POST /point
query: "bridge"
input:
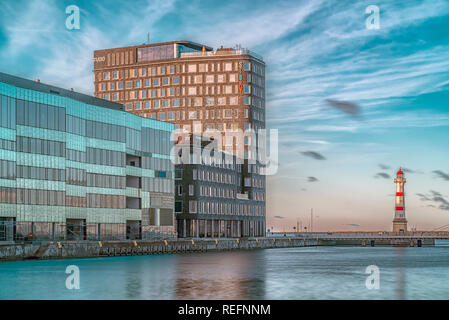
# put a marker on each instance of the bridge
(370, 238)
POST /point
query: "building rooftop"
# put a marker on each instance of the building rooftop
(46, 88)
(187, 43)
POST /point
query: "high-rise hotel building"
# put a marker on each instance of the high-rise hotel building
(186, 84)
(183, 82)
(76, 167)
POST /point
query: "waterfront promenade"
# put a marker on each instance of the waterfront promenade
(90, 249)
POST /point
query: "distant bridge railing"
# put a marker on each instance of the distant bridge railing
(374, 236)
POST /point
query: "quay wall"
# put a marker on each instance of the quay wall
(90, 249)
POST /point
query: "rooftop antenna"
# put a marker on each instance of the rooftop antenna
(148, 38)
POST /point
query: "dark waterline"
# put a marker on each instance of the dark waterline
(291, 273)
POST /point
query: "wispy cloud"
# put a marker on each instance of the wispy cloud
(441, 174)
(313, 155)
(382, 175)
(437, 198)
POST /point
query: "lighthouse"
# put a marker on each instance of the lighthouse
(399, 221)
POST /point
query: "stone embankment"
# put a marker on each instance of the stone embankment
(91, 249)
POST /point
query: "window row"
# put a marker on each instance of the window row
(7, 195)
(105, 157)
(40, 197)
(39, 173)
(106, 201)
(208, 191)
(106, 181)
(7, 145)
(7, 112)
(204, 175)
(40, 115)
(223, 208)
(39, 146)
(7, 169)
(158, 185)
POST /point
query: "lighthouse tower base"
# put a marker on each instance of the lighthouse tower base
(400, 226)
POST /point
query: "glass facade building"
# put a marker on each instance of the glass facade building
(76, 167)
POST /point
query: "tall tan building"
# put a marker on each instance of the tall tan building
(183, 82)
(187, 83)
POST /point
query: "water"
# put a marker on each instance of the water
(291, 273)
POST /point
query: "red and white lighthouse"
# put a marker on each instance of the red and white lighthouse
(400, 222)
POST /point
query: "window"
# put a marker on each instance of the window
(191, 190)
(106, 75)
(137, 83)
(156, 104)
(247, 66)
(209, 101)
(137, 105)
(162, 70)
(147, 82)
(178, 206)
(165, 81)
(175, 80)
(129, 84)
(147, 105)
(192, 114)
(171, 116)
(192, 206)
(175, 102)
(172, 69)
(191, 68)
(153, 93)
(165, 103)
(120, 85)
(247, 100)
(161, 116)
(155, 82)
(247, 89)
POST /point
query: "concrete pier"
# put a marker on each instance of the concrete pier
(90, 249)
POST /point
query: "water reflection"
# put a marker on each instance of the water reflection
(291, 273)
(229, 275)
(400, 253)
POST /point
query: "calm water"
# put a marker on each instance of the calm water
(293, 273)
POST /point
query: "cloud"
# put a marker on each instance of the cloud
(347, 107)
(312, 179)
(313, 155)
(353, 224)
(441, 174)
(382, 175)
(278, 217)
(384, 166)
(437, 198)
(408, 170)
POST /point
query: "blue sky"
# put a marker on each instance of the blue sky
(314, 50)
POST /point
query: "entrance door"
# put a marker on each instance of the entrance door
(76, 229)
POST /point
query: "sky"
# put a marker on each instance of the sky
(351, 104)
